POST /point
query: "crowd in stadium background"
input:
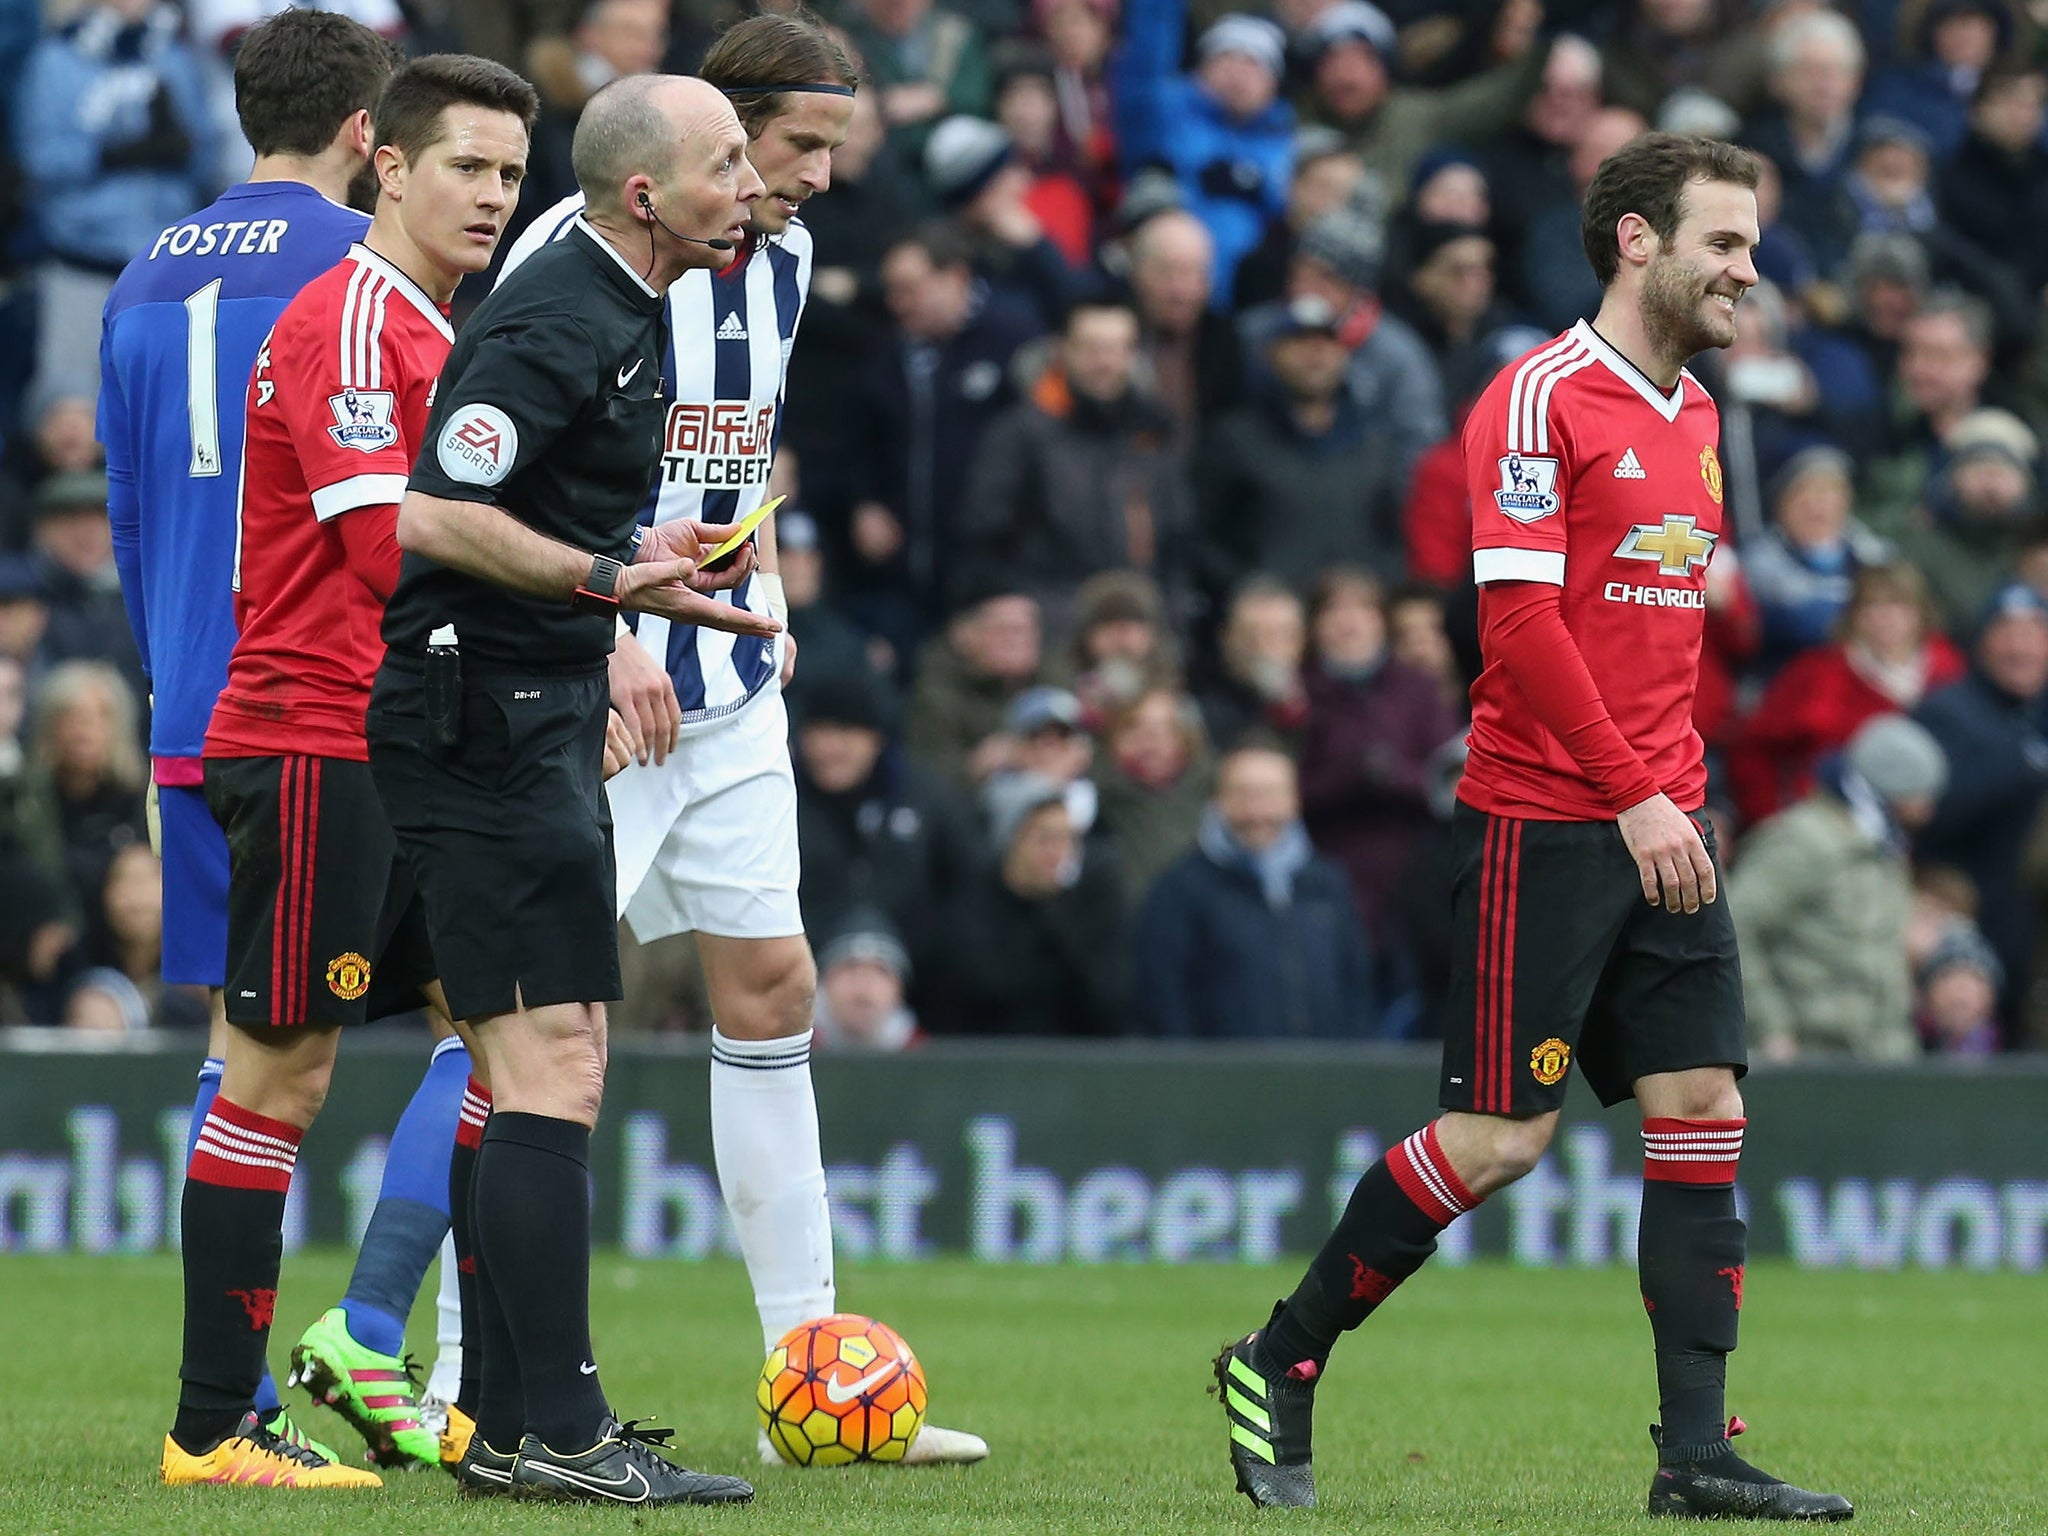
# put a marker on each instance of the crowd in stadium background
(1122, 433)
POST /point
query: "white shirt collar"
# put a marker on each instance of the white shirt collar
(416, 295)
(1667, 406)
(613, 251)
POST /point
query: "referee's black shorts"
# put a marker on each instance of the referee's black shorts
(1557, 958)
(324, 926)
(508, 834)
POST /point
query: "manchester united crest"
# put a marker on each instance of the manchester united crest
(1710, 471)
(348, 976)
(1549, 1060)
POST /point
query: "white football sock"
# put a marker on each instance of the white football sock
(446, 1378)
(764, 1136)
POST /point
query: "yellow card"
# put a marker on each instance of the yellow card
(747, 525)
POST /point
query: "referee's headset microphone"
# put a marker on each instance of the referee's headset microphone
(647, 207)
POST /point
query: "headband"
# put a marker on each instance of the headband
(817, 87)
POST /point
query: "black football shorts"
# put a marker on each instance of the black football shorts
(324, 927)
(1558, 959)
(508, 834)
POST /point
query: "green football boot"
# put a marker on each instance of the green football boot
(375, 1393)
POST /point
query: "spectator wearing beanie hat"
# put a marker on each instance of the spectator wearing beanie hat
(1804, 568)
(972, 169)
(863, 971)
(1822, 895)
(1392, 375)
(1223, 129)
(1352, 53)
(1958, 986)
(1303, 464)
(1982, 507)
(1036, 943)
(1994, 726)
(1450, 296)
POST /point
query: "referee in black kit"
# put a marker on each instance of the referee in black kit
(487, 733)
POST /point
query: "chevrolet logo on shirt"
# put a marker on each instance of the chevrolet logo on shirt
(1676, 544)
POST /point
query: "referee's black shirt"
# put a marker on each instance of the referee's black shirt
(549, 407)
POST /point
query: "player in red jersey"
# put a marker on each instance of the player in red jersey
(323, 927)
(1584, 903)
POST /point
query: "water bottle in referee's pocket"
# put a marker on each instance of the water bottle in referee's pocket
(444, 689)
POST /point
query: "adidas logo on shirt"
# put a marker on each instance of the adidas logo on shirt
(1630, 468)
(732, 328)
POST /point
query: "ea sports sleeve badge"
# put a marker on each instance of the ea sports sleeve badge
(478, 445)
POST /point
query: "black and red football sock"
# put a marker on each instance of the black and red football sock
(1386, 1232)
(232, 1232)
(469, 1135)
(1691, 1248)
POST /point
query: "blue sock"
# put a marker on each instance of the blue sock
(209, 1090)
(411, 1218)
(267, 1400)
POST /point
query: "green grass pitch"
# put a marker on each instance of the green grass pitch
(1487, 1399)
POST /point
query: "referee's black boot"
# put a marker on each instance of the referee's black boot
(622, 1468)
(482, 1471)
(1270, 1408)
(1711, 1482)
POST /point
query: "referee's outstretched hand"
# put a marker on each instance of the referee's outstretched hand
(1670, 855)
(665, 587)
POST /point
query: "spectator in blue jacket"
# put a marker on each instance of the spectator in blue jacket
(1994, 727)
(111, 128)
(1222, 130)
(1252, 935)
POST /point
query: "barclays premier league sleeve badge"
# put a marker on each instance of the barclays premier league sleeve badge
(363, 419)
(1528, 487)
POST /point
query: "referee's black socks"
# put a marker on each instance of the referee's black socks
(532, 1220)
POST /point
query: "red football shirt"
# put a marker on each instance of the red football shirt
(337, 406)
(1585, 475)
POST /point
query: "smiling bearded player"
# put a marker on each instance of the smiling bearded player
(1584, 898)
(704, 812)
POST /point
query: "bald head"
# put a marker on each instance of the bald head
(641, 125)
(1172, 260)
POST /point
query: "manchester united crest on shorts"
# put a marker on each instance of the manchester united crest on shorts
(1548, 1061)
(1710, 471)
(348, 976)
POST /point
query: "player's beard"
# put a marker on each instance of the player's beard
(1677, 320)
(362, 188)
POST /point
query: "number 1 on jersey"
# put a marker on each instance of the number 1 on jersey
(202, 389)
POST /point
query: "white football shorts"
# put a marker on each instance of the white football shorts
(706, 842)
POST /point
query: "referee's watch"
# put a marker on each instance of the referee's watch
(600, 590)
